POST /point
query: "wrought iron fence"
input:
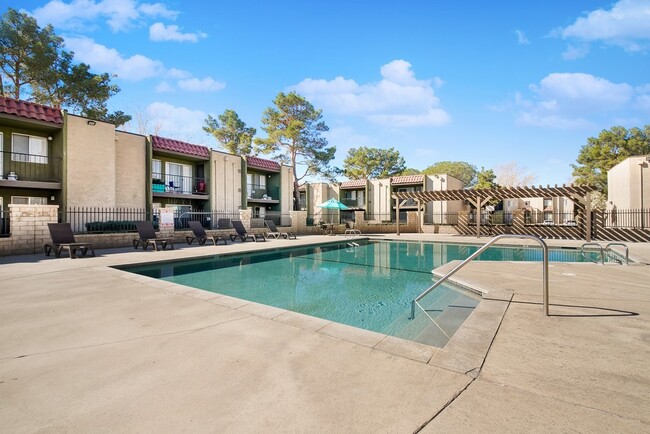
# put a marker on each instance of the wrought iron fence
(30, 167)
(100, 220)
(547, 218)
(216, 219)
(378, 218)
(627, 218)
(5, 229)
(278, 218)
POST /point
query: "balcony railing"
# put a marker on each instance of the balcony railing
(179, 184)
(262, 192)
(30, 167)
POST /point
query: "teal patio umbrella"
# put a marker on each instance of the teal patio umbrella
(333, 204)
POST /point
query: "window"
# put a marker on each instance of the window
(156, 169)
(256, 185)
(29, 149)
(179, 177)
(548, 202)
(28, 200)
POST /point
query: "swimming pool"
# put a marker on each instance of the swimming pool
(368, 285)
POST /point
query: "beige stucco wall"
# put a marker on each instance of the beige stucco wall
(319, 192)
(131, 170)
(379, 201)
(226, 179)
(624, 183)
(90, 155)
(286, 190)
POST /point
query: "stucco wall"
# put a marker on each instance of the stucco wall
(379, 202)
(226, 188)
(131, 170)
(624, 184)
(286, 190)
(90, 174)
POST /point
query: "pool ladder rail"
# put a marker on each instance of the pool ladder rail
(474, 256)
(606, 251)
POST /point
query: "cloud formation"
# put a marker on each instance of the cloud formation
(102, 58)
(575, 100)
(207, 84)
(178, 122)
(626, 24)
(398, 99)
(521, 38)
(161, 32)
(120, 15)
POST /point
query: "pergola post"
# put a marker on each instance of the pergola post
(588, 217)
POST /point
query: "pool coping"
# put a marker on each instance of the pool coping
(464, 353)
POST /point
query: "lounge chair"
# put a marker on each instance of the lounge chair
(147, 236)
(201, 237)
(275, 233)
(350, 231)
(242, 234)
(63, 238)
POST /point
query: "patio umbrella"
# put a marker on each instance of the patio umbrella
(333, 204)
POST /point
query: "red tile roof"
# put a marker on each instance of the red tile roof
(260, 163)
(408, 179)
(172, 145)
(356, 183)
(31, 110)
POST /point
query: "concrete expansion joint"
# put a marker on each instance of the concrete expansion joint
(447, 404)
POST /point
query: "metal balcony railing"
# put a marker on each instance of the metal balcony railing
(30, 167)
(163, 183)
(262, 192)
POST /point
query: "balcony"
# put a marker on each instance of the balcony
(31, 171)
(176, 185)
(262, 193)
(354, 203)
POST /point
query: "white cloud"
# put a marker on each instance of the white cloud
(178, 73)
(160, 32)
(102, 58)
(177, 122)
(626, 24)
(164, 87)
(399, 98)
(572, 100)
(574, 52)
(80, 14)
(521, 38)
(207, 84)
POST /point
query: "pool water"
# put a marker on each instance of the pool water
(370, 285)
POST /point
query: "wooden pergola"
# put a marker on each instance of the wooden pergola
(580, 194)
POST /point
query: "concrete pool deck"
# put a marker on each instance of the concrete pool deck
(84, 347)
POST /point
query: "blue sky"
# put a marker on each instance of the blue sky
(484, 82)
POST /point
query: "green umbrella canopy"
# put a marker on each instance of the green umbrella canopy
(333, 204)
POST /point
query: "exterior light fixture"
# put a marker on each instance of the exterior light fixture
(91, 123)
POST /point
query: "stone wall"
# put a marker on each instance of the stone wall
(28, 228)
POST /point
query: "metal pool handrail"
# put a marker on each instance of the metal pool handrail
(600, 248)
(477, 253)
(608, 248)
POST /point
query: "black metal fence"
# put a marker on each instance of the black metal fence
(100, 220)
(5, 229)
(627, 218)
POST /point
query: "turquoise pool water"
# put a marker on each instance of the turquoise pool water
(370, 286)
